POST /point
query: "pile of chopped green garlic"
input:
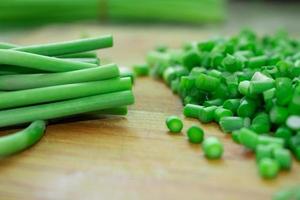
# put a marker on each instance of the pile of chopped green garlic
(249, 85)
(54, 81)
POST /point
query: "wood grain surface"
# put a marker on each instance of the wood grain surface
(132, 157)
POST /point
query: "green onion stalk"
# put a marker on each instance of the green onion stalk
(31, 12)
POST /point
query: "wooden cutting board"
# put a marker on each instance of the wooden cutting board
(132, 157)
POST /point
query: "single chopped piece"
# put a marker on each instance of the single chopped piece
(293, 122)
(256, 62)
(222, 112)
(261, 123)
(248, 138)
(213, 148)
(174, 124)
(214, 102)
(207, 83)
(263, 151)
(141, 70)
(284, 158)
(235, 136)
(268, 140)
(294, 145)
(244, 87)
(284, 91)
(284, 132)
(192, 110)
(269, 94)
(195, 134)
(278, 114)
(268, 168)
(207, 114)
(232, 104)
(260, 83)
(247, 108)
(229, 124)
(232, 64)
(191, 59)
